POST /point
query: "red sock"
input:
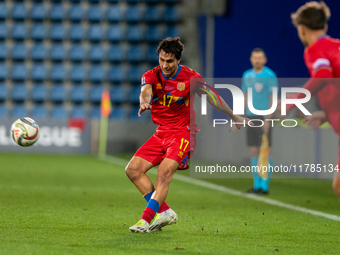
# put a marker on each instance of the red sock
(148, 215)
(163, 207)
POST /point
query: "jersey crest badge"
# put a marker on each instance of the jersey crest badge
(181, 86)
(258, 87)
(159, 86)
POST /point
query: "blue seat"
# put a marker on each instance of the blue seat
(95, 33)
(39, 93)
(58, 93)
(95, 112)
(19, 111)
(115, 13)
(153, 14)
(19, 11)
(76, 32)
(152, 55)
(58, 73)
(135, 73)
(38, 12)
(78, 94)
(135, 33)
(19, 31)
(3, 51)
(171, 14)
(134, 114)
(97, 53)
(38, 32)
(115, 33)
(95, 13)
(3, 71)
(57, 52)
(3, 11)
(78, 111)
(19, 72)
(134, 94)
(3, 111)
(173, 31)
(19, 92)
(134, 14)
(3, 92)
(19, 51)
(97, 74)
(78, 73)
(96, 94)
(57, 32)
(57, 12)
(117, 74)
(76, 13)
(136, 53)
(154, 33)
(59, 112)
(117, 94)
(38, 52)
(118, 113)
(3, 31)
(39, 72)
(77, 53)
(39, 112)
(116, 53)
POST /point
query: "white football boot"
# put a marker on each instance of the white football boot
(140, 227)
(163, 219)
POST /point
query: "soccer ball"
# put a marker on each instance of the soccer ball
(25, 131)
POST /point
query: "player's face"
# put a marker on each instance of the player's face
(168, 63)
(258, 60)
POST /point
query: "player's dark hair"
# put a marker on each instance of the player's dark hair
(259, 50)
(171, 45)
(313, 15)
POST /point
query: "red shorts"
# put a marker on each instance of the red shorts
(174, 144)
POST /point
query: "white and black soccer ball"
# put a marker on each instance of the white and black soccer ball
(25, 131)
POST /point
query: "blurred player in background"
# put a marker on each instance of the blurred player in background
(322, 58)
(261, 79)
(166, 92)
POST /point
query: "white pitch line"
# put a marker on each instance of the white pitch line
(205, 184)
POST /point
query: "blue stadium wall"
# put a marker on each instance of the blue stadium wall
(265, 24)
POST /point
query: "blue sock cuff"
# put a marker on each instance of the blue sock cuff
(148, 196)
(154, 205)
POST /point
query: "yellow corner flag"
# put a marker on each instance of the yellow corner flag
(105, 110)
(263, 161)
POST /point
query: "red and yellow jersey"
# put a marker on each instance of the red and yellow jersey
(172, 100)
(323, 61)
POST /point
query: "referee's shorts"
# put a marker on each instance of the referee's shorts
(254, 134)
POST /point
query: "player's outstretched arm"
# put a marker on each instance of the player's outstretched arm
(224, 107)
(145, 98)
(316, 119)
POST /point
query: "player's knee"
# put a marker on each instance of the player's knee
(164, 175)
(336, 187)
(131, 170)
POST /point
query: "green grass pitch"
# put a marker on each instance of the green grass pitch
(55, 204)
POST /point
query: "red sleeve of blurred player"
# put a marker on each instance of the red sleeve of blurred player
(319, 67)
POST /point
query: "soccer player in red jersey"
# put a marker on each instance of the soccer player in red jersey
(322, 58)
(166, 91)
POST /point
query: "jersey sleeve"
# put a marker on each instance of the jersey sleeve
(318, 63)
(200, 85)
(273, 83)
(148, 78)
(244, 85)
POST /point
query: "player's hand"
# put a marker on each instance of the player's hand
(240, 120)
(315, 120)
(143, 107)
